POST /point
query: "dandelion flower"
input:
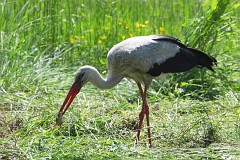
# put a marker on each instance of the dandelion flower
(126, 26)
(82, 37)
(123, 37)
(99, 41)
(103, 37)
(71, 40)
(130, 34)
(142, 25)
(137, 25)
(162, 30)
(238, 110)
(146, 22)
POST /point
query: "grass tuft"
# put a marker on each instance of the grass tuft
(194, 115)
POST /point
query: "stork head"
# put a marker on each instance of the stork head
(82, 76)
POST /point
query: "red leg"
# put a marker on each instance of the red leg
(140, 89)
(145, 110)
(147, 114)
(141, 115)
(148, 126)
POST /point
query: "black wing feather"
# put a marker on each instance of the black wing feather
(184, 60)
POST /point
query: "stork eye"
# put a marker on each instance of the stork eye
(81, 75)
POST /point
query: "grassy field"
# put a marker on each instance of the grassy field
(194, 115)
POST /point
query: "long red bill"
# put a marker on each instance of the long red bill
(74, 90)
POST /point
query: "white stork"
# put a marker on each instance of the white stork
(142, 59)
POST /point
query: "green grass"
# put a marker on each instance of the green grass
(194, 115)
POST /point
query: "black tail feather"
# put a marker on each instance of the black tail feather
(204, 59)
(184, 60)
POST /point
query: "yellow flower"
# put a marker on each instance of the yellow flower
(71, 40)
(103, 37)
(238, 110)
(76, 36)
(137, 25)
(82, 37)
(130, 34)
(126, 26)
(99, 41)
(146, 22)
(123, 37)
(162, 30)
(142, 25)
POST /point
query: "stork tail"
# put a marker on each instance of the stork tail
(204, 59)
(184, 60)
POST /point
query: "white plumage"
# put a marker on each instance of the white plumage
(125, 57)
(142, 59)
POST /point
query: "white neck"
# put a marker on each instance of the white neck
(111, 81)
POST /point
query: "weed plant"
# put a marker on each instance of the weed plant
(194, 115)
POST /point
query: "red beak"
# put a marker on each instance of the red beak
(74, 90)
